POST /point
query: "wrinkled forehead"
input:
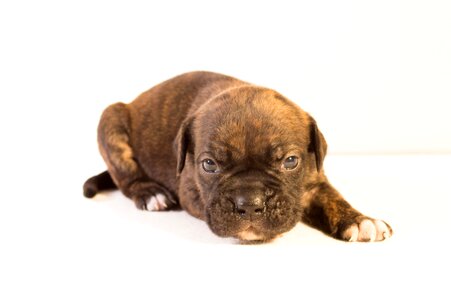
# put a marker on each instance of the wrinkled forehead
(252, 124)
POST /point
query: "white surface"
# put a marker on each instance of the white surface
(57, 244)
(375, 74)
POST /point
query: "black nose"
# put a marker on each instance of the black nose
(249, 208)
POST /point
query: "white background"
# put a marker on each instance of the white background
(375, 74)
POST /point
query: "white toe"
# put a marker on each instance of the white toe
(161, 199)
(157, 202)
(367, 231)
(382, 230)
(352, 233)
(152, 204)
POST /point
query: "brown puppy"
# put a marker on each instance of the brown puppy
(241, 157)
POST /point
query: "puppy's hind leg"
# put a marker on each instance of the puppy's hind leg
(115, 147)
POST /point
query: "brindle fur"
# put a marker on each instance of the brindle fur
(156, 144)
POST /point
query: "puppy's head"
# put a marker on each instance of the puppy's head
(252, 152)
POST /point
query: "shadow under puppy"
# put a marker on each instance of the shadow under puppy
(241, 157)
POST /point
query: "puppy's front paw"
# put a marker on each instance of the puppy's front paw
(365, 229)
(155, 202)
(152, 197)
(158, 202)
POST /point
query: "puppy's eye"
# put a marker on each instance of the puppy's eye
(209, 166)
(291, 163)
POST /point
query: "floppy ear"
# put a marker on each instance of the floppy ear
(317, 144)
(182, 142)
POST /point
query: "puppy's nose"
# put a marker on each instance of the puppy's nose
(249, 208)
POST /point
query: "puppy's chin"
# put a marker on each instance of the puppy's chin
(252, 236)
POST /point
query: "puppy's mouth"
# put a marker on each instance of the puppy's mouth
(279, 215)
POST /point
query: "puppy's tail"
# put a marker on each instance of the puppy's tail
(98, 183)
